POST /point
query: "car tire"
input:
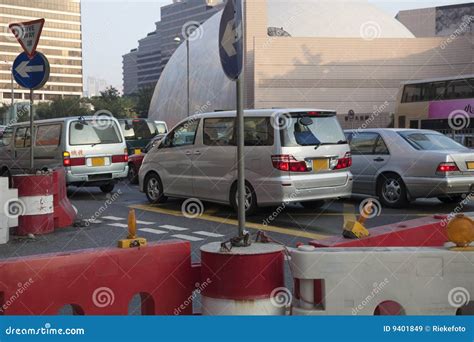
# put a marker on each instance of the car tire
(107, 188)
(154, 189)
(392, 191)
(132, 174)
(313, 204)
(451, 199)
(251, 203)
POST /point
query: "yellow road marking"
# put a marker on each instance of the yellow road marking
(233, 222)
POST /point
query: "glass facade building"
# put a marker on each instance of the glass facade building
(61, 42)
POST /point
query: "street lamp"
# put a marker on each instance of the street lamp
(179, 40)
(5, 119)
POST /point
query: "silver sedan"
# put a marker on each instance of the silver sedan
(400, 165)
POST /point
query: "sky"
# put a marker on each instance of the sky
(112, 28)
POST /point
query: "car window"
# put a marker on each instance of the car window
(90, 132)
(6, 137)
(430, 141)
(258, 132)
(380, 146)
(363, 143)
(20, 137)
(183, 135)
(218, 132)
(48, 135)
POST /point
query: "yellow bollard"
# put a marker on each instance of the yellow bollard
(461, 232)
(355, 229)
(132, 240)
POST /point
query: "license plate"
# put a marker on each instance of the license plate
(137, 151)
(320, 164)
(98, 161)
(470, 165)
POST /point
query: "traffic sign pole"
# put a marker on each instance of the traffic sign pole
(32, 119)
(241, 155)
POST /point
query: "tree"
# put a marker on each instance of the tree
(143, 100)
(61, 107)
(110, 100)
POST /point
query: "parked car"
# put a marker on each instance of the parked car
(400, 165)
(135, 160)
(292, 155)
(93, 152)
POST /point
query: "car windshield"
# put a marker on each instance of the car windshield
(305, 130)
(430, 141)
(94, 133)
(141, 129)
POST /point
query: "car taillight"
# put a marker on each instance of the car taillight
(68, 161)
(344, 163)
(122, 158)
(447, 167)
(287, 162)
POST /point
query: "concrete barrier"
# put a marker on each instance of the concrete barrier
(101, 281)
(64, 213)
(368, 281)
(10, 208)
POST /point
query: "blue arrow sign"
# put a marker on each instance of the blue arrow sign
(31, 73)
(231, 49)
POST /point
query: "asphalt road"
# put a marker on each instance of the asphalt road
(286, 224)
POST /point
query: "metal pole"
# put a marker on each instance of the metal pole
(32, 157)
(240, 155)
(12, 109)
(188, 74)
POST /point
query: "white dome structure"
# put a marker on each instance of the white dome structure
(210, 89)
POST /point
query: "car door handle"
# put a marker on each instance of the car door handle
(197, 153)
(379, 159)
(188, 153)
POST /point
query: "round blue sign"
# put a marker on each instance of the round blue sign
(231, 39)
(31, 73)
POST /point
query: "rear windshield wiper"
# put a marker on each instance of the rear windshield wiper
(340, 142)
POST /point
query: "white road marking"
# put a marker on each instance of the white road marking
(208, 234)
(120, 225)
(113, 218)
(187, 237)
(178, 229)
(94, 221)
(146, 223)
(152, 231)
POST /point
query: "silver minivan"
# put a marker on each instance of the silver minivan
(91, 149)
(291, 155)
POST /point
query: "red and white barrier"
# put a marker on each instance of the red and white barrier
(244, 281)
(8, 214)
(35, 195)
(368, 281)
(64, 213)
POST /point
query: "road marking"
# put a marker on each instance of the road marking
(178, 229)
(208, 234)
(152, 231)
(113, 218)
(146, 223)
(187, 237)
(94, 221)
(120, 225)
(233, 222)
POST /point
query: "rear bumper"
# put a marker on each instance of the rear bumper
(95, 179)
(435, 187)
(277, 192)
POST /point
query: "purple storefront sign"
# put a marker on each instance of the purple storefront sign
(442, 109)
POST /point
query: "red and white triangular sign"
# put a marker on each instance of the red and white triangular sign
(28, 34)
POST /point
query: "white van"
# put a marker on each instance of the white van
(291, 155)
(92, 150)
